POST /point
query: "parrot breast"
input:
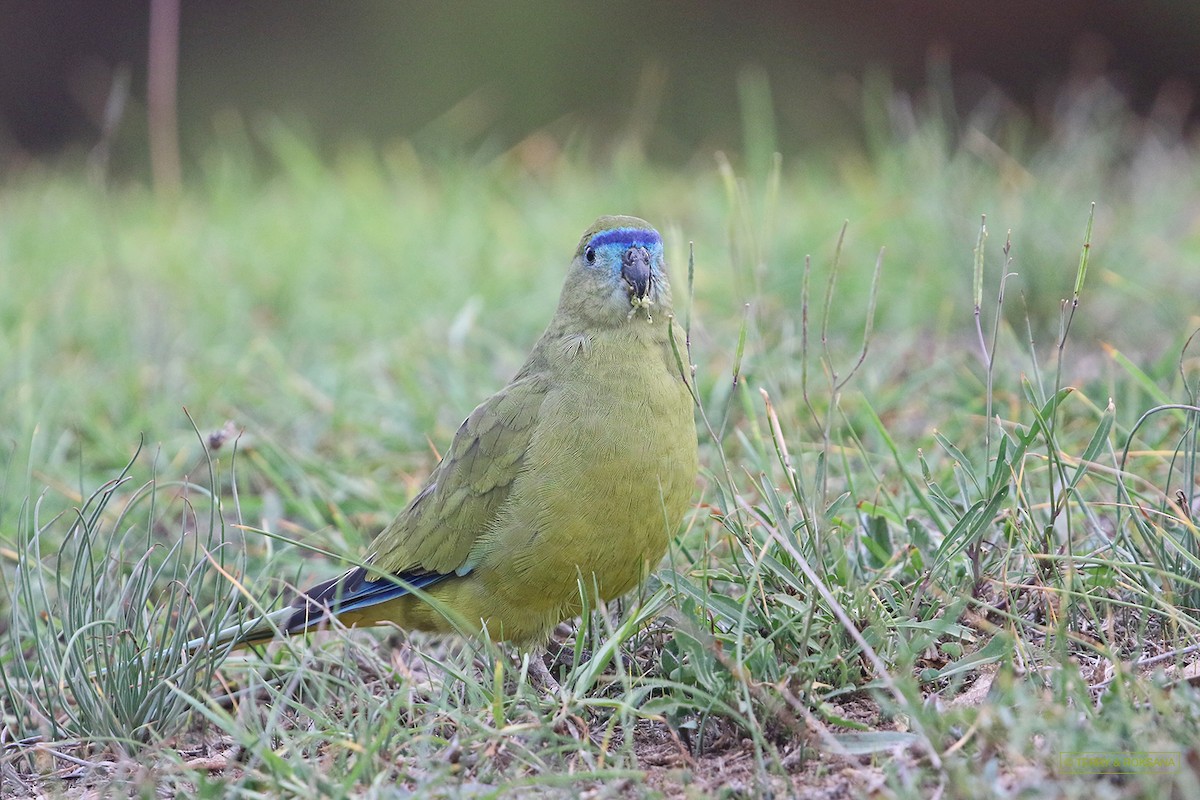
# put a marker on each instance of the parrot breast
(609, 473)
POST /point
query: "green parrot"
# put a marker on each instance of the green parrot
(578, 472)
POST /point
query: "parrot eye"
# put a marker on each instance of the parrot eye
(589, 255)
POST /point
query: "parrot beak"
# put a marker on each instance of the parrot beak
(635, 269)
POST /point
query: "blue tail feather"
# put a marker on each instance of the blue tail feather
(351, 592)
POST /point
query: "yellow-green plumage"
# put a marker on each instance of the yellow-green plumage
(578, 471)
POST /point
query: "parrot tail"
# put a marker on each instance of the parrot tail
(337, 598)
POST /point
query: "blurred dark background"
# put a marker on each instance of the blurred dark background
(487, 75)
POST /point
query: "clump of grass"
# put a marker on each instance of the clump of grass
(96, 636)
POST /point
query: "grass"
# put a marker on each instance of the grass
(943, 536)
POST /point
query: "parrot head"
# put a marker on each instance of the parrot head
(618, 275)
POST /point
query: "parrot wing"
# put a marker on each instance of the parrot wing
(438, 529)
(432, 538)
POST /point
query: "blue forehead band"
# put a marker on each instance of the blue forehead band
(627, 237)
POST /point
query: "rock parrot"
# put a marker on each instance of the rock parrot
(577, 473)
